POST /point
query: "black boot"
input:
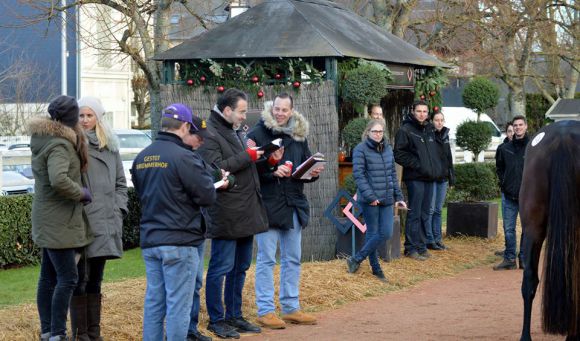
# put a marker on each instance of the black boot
(78, 318)
(380, 275)
(352, 265)
(94, 317)
(506, 264)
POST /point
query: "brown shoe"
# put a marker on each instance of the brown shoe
(298, 317)
(272, 321)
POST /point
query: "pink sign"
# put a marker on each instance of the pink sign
(351, 217)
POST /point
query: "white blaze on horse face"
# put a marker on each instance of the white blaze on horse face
(538, 138)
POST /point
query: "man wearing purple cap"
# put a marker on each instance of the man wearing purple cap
(173, 186)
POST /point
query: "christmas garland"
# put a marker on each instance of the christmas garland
(428, 85)
(248, 75)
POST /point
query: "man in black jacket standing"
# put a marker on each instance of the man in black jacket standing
(236, 217)
(416, 151)
(509, 165)
(172, 184)
(288, 212)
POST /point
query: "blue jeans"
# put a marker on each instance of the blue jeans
(170, 272)
(290, 256)
(509, 211)
(420, 196)
(230, 259)
(433, 229)
(379, 221)
(58, 279)
(198, 284)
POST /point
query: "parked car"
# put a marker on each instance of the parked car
(132, 141)
(454, 116)
(14, 183)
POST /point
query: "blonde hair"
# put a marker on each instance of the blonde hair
(107, 139)
(370, 126)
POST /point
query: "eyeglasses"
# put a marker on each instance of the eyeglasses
(377, 131)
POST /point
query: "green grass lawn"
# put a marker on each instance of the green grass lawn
(19, 285)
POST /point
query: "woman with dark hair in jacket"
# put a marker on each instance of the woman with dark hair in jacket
(59, 228)
(377, 190)
(106, 181)
(446, 178)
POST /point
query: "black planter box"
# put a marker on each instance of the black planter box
(390, 250)
(478, 219)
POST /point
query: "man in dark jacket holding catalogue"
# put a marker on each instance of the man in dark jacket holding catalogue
(236, 217)
(288, 212)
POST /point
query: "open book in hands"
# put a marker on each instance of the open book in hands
(303, 171)
(272, 146)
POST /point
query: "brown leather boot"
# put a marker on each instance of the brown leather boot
(272, 321)
(299, 317)
(78, 318)
(94, 317)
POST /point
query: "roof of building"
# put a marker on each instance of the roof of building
(299, 28)
(564, 109)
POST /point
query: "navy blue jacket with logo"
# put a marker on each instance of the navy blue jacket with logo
(173, 185)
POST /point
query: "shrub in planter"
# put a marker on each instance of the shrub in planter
(477, 181)
(472, 216)
(353, 131)
(473, 136)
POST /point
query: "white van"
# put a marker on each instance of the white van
(454, 116)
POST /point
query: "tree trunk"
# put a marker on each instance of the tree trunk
(517, 100)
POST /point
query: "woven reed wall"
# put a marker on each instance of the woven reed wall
(317, 102)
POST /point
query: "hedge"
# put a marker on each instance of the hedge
(16, 246)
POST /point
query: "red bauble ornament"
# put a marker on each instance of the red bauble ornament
(190, 82)
(220, 88)
(432, 93)
(278, 76)
(422, 97)
(296, 84)
(202, 78)
(255, 79)
(260, 94)
(435, 109)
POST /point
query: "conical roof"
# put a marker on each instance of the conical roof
(299, 28)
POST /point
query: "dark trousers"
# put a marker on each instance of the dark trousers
(420, 196)
(91, 271)
(58, 279)
(230, 259)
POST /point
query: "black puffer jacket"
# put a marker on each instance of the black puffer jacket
(416, 151)
(509, 164)
(238, 211)
(284, 195)
(444, 152)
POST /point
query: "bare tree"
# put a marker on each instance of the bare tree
(24, 89)
(141, 100)
(141, 33)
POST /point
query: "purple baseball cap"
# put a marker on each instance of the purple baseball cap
(178, 111)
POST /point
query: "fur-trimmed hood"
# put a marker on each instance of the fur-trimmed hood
(47, 127)
(301, 125)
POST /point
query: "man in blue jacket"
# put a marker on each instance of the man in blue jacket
(172, 184)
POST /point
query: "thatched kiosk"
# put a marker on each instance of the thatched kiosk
(294, 46)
